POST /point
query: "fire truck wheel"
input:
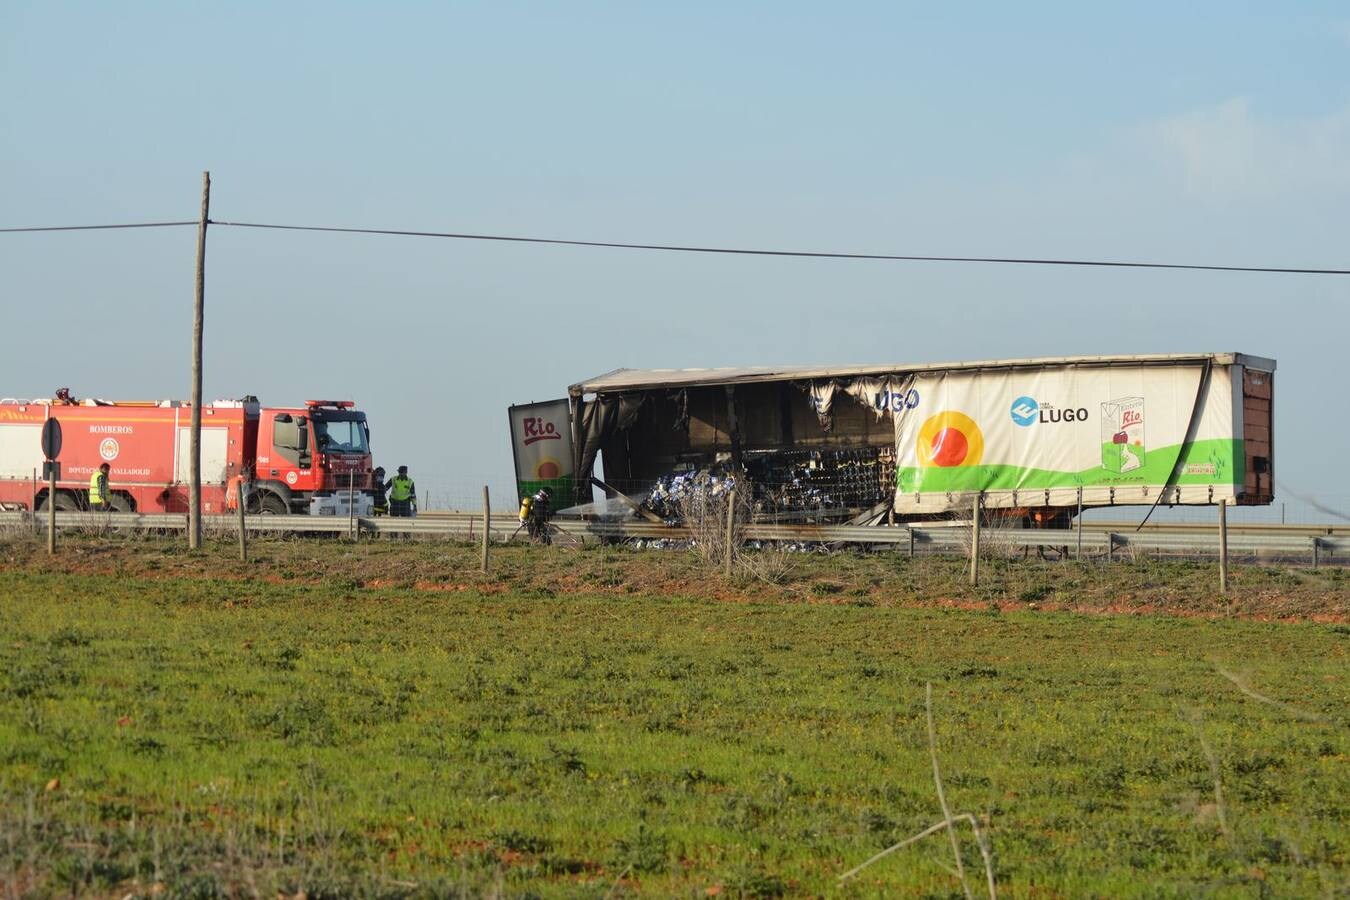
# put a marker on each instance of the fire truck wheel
(272, 505)
(120, 503)
(64, 503)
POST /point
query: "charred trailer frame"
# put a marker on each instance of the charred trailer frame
(643, 434)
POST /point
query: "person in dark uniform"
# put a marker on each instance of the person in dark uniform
(378, 489)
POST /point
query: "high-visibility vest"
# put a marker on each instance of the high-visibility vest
(401, 489)
(98, 489)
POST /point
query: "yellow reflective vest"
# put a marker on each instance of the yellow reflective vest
(98, 490)
(401, 488)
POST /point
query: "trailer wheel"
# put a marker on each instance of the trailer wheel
(272, 505)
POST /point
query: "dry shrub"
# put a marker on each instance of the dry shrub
(93, 524)
(220, 527)
(21, 531)
(771, 564)
(704, 512)
(994, 542)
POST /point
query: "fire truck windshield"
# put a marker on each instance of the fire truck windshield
(341, 437)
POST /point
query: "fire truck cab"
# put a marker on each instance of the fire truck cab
(312, 460)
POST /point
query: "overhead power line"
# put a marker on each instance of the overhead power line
(97, 227)
(734, 251)
(1313, 502)
(810, 254)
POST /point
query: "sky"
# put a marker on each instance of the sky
(1214, 133)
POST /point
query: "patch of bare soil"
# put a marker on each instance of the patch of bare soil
(1265, 593)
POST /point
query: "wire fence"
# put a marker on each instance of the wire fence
(457, 495)
(1259, 545)
(1328, 509)
(835, 499)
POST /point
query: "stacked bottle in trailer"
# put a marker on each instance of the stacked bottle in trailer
(314, 459)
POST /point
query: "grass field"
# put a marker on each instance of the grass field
(380, 721)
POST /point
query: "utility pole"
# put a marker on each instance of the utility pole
(195, 451)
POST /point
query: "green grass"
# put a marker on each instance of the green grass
(226, 736)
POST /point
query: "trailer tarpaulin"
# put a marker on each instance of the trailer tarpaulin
(601, 418)
(884, 396)
(1036, 437)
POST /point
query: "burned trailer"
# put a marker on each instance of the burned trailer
(1034, 437)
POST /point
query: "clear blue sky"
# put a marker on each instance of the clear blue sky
(1207, 132)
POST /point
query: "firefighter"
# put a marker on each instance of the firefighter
(381, 502)
(100, 498)
(537, 516)
(402, 494)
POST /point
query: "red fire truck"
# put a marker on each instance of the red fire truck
(311, 460)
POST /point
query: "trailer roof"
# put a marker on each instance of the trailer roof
(648, 379)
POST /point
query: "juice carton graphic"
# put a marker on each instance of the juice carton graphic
(1123, 434)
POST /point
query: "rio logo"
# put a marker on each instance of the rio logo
(895, 401)
(537, 429)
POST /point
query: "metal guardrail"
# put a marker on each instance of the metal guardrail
(955, 539)
(1096, 541)
(452, 525)
(1126, 527)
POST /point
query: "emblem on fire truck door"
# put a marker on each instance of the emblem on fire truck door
(292, 478)
(108, 449)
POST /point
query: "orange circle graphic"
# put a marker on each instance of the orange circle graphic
(949, 439)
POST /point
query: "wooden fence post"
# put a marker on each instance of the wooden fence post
(487, 527)
(241, 501)
(731, 526)
(351, 505)
(1223, 545)
(1079, 524)
(975, 542)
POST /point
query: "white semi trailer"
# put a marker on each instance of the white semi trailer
(1041, 435)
